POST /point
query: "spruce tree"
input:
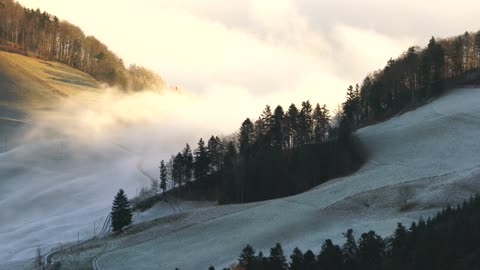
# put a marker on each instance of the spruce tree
(291, 119)
(331, 256)
(201, 163)
(277, 258)
(277, 130)
(177, 170)
(163, 176)
(309, 260)
(187, 163)
(297, 260)
(247, 258)
(121, 211)
(246, 137)
(350, 250)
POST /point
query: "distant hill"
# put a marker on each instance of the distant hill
(29, 85)
(42, 35)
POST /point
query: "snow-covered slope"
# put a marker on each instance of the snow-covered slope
(435, 149)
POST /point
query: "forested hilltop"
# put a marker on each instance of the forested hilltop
(413, 78)
(285, 152)
(42, 35)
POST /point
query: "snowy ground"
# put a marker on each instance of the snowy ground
(52, 190)
(434, 148)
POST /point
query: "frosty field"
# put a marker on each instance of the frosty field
(433, 149)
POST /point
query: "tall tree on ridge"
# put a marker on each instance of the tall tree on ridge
(201, 163)
(187, 163)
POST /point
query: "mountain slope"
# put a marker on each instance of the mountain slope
(33, 84)
(29, 85)
(432, 149)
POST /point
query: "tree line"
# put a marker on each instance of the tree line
(39, 34)
(448, 241)
(413, 78)
(279, 154)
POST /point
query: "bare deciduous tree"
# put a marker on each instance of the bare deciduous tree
(405, 194)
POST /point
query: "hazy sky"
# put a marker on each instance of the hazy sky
(264, 51)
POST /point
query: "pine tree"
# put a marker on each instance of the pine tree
(121, 212)
(187, 163)
(266, 121)
(201, 163)
(477, 47)
(297, 260)
(247, 258)
(371, 249)
(291, 120)
(350, 250)
(278, 136)
(214, 154)
(330, 256)
(246, 137)
(305, 123)
(277, 259)
(309, 260)
(163, 176)
(230, 185)
(317, 120)
(177, 169)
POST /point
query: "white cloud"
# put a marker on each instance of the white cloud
(262, 52)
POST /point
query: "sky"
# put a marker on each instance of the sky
(249, 53)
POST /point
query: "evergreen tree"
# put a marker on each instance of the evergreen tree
(399, 248)
(230, 184)
(214, 154)
(163, 176)
(317, 129)
(201, 163)
(178, 171)
(246, 137)
(187, 163)
(247, 258)
(121, 211)
(267, 120)
(305, 124)
(277, 260)
(292, 126)
(371, 249)
(297, 260)
(278, 137)
(350, 250)
(310, 260)
(477, 48)
(330, 257)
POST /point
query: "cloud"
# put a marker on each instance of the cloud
(269, 48)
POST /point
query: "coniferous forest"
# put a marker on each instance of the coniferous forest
(280, 154)
(448, 241)
(39, 34)
(287, 151)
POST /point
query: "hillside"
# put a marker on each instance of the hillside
(403, 152)
(32, 84)
(29, 85)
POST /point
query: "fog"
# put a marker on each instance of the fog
(71, 160)
(229, 58)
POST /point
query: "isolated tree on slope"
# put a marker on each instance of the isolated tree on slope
(121, 211)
